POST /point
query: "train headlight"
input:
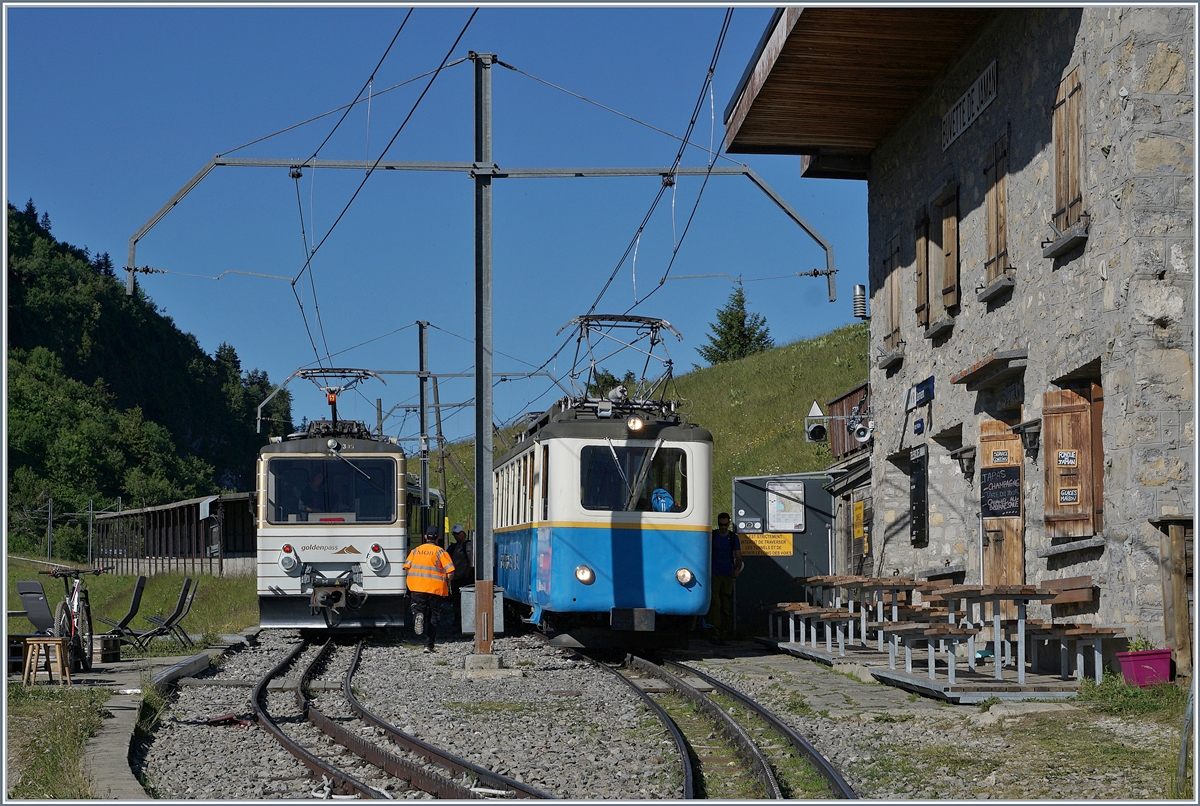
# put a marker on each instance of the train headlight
(376, 558)
(585, 575)
(635, 423)
(287, 558)
(684, 576)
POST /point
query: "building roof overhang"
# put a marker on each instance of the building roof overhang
(829, 83)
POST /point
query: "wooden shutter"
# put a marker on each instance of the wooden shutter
(1068, 198)
(995, 173)
(948, 201)
(1068, 444)
(921, 240)
(891, 286)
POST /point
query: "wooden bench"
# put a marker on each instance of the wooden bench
(1084, 635)
(793, 611)
(950, 636)
(896, 633)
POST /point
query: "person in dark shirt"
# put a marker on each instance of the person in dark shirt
(462, 553)
(726, 565)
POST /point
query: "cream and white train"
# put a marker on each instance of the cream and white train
(334, 513)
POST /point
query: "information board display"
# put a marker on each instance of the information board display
(785, 506)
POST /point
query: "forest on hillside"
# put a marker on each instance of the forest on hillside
(107, 398)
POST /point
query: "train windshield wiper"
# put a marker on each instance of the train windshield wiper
(641, 477)
(617, 462)
(358, 470)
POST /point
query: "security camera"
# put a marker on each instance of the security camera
(863, 431)
(815, 429)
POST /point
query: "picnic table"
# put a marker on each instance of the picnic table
(1020, 595)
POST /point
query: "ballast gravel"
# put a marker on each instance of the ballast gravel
(894, 746)
(556, 722)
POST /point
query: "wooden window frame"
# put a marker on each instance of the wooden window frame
(996, 177)
(1067, 122)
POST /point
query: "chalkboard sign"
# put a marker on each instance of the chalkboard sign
(1000, 491)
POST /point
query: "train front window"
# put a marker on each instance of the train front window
(633, 479)
(331, 491)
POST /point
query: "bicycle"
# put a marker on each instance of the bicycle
(73, 615)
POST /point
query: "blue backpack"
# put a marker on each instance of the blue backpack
(661, 500)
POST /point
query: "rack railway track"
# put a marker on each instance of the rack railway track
(730, 746)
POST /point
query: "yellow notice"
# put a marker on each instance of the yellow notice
(860, 511)
(767, 545)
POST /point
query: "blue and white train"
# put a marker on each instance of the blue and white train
(601, 521)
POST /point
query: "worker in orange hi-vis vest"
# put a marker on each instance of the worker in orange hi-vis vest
(429, 570)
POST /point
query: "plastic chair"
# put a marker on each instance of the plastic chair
(121, 628)
(142, 638)
(37, 609)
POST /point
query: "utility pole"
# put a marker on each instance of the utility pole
(482, 173)
(49, 528)
(441, 442)
(90, 513)
(423, 346)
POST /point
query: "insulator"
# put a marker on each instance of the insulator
(860, 302)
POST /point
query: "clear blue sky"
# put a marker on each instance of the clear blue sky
(109, 111)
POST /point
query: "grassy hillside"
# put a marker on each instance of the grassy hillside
(755, 409)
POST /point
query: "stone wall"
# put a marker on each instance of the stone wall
(1122, 305)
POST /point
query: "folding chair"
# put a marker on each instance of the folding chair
(121, 628)
(37, 609)
(172, 624)
(142, 638)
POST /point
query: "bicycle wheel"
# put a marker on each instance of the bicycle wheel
(62, 629)
(85, 633)
(62, 621)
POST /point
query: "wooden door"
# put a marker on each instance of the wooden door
(1004, 535)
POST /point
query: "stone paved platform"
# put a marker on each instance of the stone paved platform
(106, 756)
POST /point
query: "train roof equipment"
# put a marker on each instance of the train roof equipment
(643, 411)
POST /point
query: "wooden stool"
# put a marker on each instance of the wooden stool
(34, 646)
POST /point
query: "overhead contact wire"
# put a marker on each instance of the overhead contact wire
(309, 255)
(404, 123)
(685, 141)
(705, 90)
(368, 83)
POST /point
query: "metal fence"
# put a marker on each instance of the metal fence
(215, 534)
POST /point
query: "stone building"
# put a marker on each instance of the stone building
(1032, 275)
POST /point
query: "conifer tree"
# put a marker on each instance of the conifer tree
(736, 333)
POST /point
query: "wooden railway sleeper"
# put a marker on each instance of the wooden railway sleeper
(742, 742)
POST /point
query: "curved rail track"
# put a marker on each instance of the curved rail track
(495, 784)
(338, 781)
(728, 756)
(837, 784)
